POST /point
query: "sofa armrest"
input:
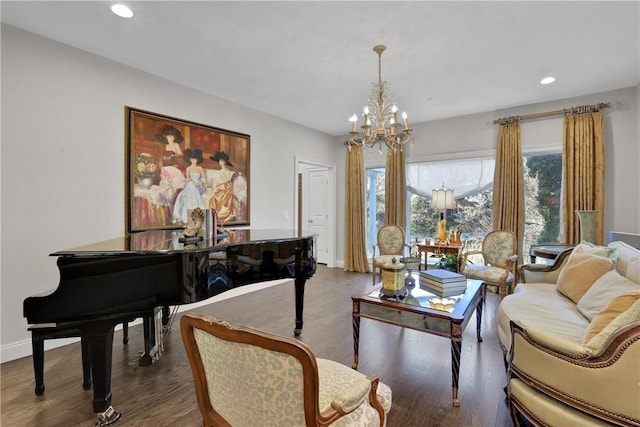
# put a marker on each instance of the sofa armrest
(555, 343)
(542, 273)
(577, 378)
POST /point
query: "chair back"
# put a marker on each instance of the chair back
(498, 246)
(247, 377)
(391, 240)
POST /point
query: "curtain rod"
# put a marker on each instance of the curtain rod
(564, 111)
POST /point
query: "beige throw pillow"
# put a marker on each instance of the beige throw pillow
(603, 251)
(581, 271)
(633, 269)
(608, 287)
(631, 314)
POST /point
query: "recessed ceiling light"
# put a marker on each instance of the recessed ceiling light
(547, 80)
(122, 11)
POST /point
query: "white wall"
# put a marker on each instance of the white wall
(475, 135)
(63, 159)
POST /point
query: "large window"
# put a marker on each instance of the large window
(542, 184)
(374, 202)
(472, 181)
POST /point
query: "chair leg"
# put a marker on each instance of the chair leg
(373, 274)
(502, 288)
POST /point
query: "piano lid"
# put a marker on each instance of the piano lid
(167, 241)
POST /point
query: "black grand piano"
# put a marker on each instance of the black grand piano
(116, 281)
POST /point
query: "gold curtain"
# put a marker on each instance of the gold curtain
(582, 173)
(395, 190)
(508, 184)
(355, 238)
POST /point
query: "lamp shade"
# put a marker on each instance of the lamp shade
(442, 198)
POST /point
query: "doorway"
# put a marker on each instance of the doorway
(315, 197)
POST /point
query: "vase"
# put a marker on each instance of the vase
(145, 183)
(587, 225)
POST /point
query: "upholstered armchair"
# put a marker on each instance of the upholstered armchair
(390, 243)
(499, 255)
(247, 377)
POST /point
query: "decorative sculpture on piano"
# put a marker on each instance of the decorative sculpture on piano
(197, 216)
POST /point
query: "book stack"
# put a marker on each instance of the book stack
(443, 283)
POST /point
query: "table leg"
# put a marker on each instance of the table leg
(456, 349)
(479, 317)
(356, 333)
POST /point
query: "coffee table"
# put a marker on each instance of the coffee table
(415, 312)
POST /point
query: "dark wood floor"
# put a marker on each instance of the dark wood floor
(415, 365)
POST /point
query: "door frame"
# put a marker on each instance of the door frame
(301, 167)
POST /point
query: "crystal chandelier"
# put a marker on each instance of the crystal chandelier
(381, 125)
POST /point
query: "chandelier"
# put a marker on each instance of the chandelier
(381, 125)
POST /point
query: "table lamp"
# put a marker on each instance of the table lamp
(442, 198)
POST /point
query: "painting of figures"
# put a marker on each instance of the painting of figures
(175, 165)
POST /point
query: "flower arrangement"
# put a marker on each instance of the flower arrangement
(146, 167)
(447, 261)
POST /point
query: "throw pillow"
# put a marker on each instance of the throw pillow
(626, 255)
(581, 271)
(633, 269)
(603, 251)
(608, 287)
(605, 316)
(632, 314)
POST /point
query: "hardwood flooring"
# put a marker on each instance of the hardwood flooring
(415, 365)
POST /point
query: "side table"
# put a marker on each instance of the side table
(550, 251)
(437, 249)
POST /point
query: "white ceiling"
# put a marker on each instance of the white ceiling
(312, 62)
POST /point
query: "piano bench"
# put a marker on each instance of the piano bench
(41, 332)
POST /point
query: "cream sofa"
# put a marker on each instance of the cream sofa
(571, 337)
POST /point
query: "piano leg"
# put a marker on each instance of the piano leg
(99, 339)
(153, 345)
(125, 333)
(149, 340)
(37, 345)
(301, 278)
(86, 365)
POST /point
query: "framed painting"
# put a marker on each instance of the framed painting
(174, 165)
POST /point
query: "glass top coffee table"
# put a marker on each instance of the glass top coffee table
(423, 311)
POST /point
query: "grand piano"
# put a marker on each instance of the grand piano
(116, 281)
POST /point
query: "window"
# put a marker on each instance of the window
(542, 185)
(472, 181)
(374, 204)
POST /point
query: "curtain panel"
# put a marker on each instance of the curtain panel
(355, 237)
(508, 184)
(582, 174)
(395, 189)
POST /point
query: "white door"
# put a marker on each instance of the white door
(317, 200)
